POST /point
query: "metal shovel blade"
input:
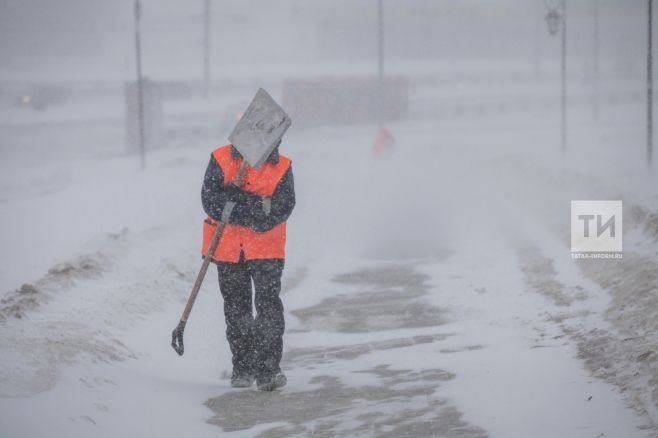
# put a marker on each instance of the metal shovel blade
(259, 130)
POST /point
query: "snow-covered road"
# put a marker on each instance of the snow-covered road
(423, 297)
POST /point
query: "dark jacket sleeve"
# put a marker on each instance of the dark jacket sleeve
(282, 204)
(213, 197)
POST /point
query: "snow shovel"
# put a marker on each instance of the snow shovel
(255, 136)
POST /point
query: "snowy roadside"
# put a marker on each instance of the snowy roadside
(609, 308)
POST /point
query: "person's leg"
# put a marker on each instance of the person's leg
(269, 322)
(235, 286)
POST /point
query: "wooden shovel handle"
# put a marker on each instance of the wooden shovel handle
(239, 180)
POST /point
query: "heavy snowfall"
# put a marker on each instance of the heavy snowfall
(429, 287)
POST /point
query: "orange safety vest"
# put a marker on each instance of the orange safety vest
(235, 239)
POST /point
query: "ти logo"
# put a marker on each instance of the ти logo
(596, 227)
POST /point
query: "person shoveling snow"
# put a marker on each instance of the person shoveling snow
(248, 194)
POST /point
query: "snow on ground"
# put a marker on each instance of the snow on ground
(429, 293)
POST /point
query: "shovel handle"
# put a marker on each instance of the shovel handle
(211, 249)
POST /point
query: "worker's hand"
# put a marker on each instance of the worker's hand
(250, 204)
(237, 195)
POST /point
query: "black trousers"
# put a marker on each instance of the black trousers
(256, 342)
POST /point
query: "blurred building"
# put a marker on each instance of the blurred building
(93, 39)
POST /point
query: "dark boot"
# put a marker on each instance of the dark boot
(241, 379)
(272, 382)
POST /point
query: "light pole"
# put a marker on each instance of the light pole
(206, 47)
(380, 62)
(595, 62)
(140, 87)
(557, 20)
(384, 141)
(649, 82)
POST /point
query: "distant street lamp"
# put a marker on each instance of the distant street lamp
(556, 19)
(206, 47)
(380, 61)
(553, 21)
(649, 82)
(140, 83)
(384, 141)
(595, 62)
